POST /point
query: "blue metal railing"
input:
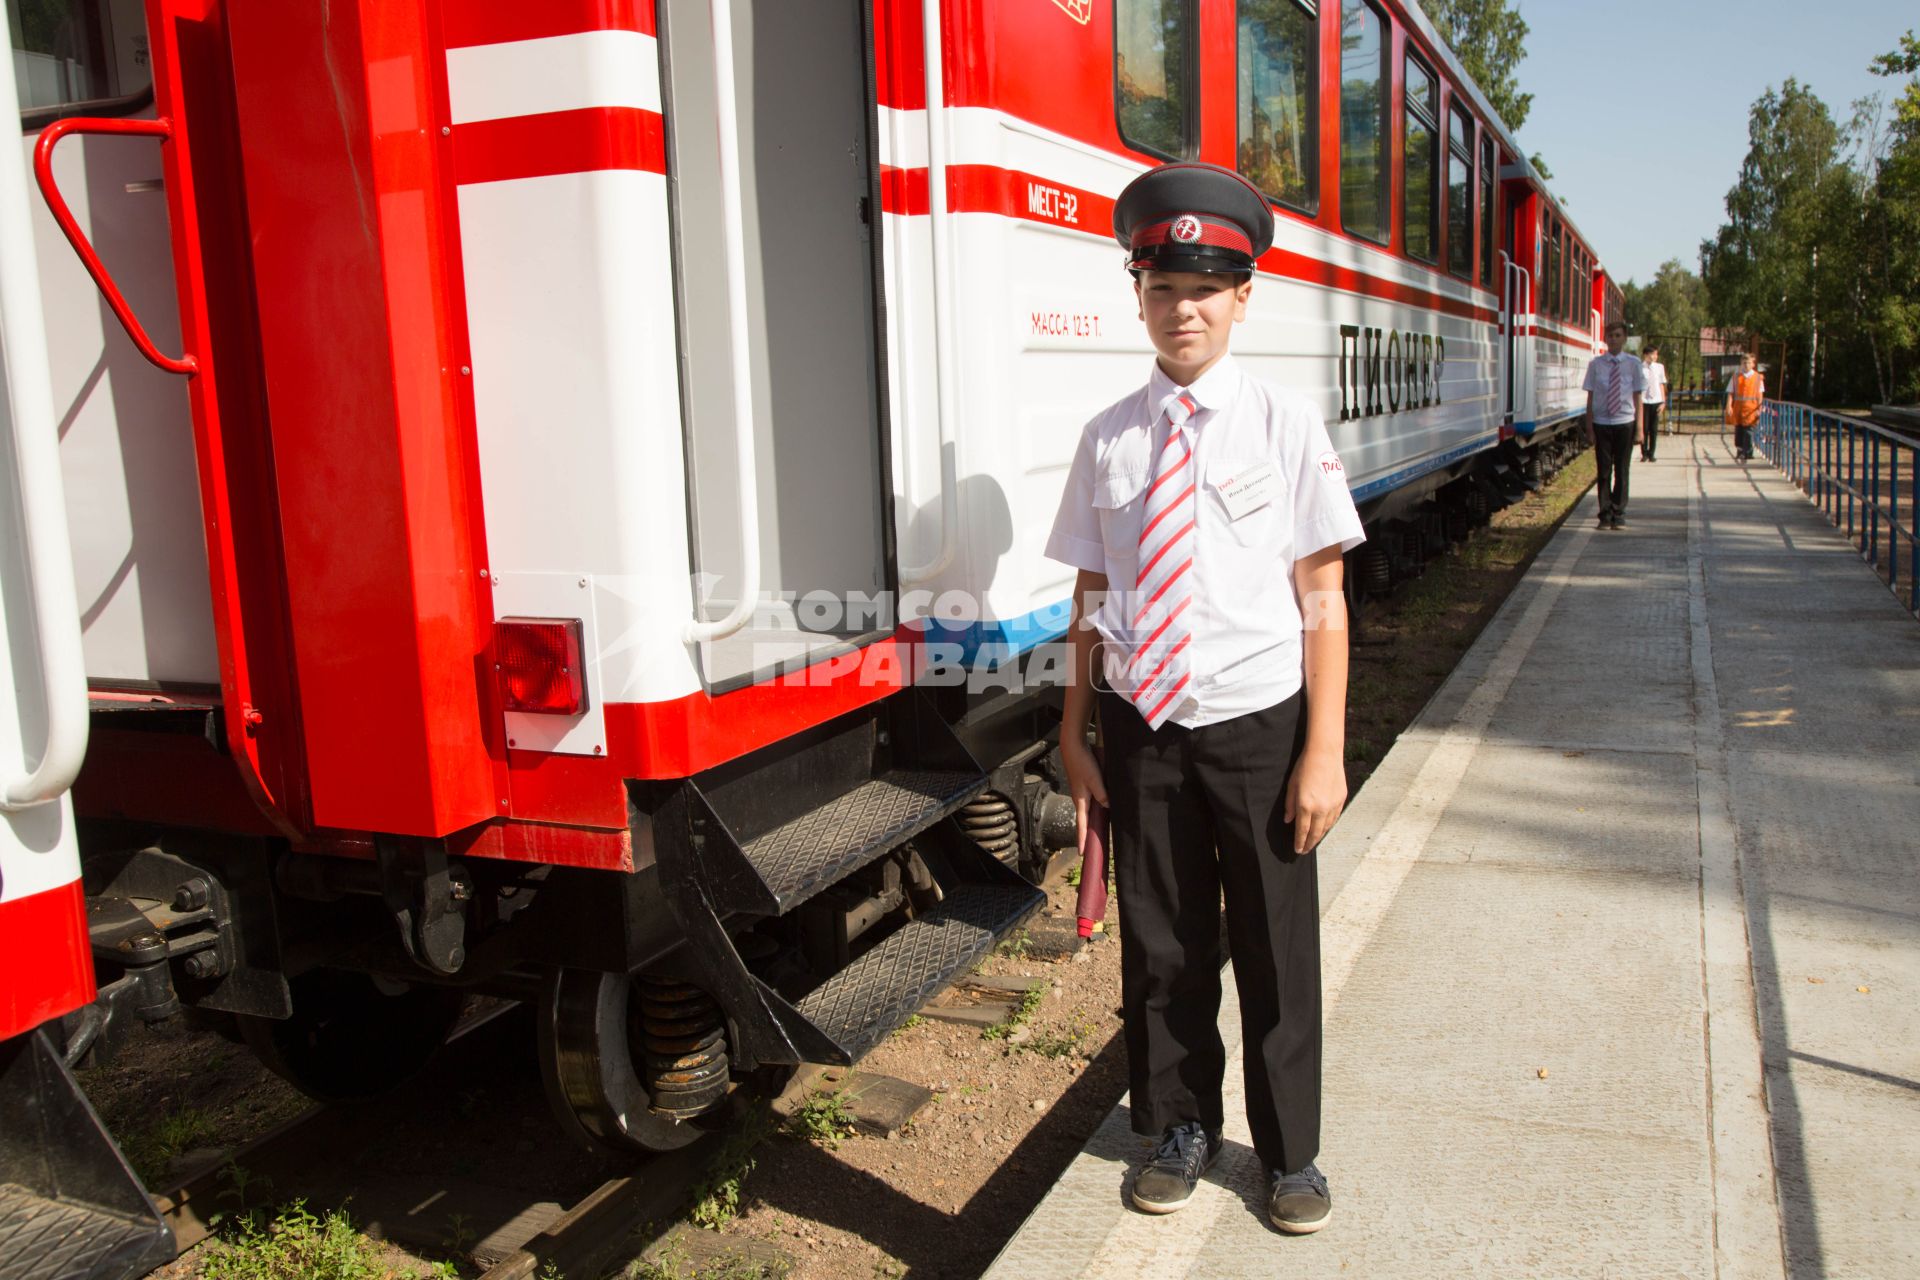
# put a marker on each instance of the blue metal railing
(1853, 470)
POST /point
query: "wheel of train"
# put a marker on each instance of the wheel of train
(352, 1036)
(627, 1062)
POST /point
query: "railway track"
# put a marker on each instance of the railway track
(484, 1176)
(475, 1186)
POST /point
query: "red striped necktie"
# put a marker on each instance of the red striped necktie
(1619, 404)
(1164, 587)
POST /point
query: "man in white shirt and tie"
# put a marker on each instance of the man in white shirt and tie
(1616, 387)
(1656, 399)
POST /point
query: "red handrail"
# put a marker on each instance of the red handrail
(43, 174)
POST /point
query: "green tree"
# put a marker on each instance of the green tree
(1763, 270)
(1886, 246)
(1490, 39)
(1672, 305)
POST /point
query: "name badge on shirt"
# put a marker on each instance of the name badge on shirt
(1249, 489)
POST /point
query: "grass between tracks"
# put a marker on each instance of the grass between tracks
(1405, 646)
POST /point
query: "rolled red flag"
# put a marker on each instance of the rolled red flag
(1092, 907)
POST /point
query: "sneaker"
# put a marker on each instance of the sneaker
(1167, 1183)
(1300, 1203)
(1606, 522)
(1619, 522)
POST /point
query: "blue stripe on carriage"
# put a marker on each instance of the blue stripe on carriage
(1394, 479)
(999, 639)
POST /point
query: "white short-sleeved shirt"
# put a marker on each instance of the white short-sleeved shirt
(1246, 623)
(1613, 381)
(1656, 376)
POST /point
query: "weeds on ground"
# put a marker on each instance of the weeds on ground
(153, 1150)
(460, 1233)
(293, 1244)
(716, 1197)
(671, 1262)
(1021, 1015)
(1073, 877)
(1014, 946)
(1062, 1044)
(912, 1022)
(822, 1118)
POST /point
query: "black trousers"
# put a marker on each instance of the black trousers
(1196, 812)
(1612, 455)
(1743, 442)
(1649, 431)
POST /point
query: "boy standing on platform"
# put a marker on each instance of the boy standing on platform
(1655, 398)
(1614, 386)
(1207, 513)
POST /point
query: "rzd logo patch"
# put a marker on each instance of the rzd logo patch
(1330, 464)
(1081, 11)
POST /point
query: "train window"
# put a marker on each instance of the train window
(1153, 45)
(1363, 120)
(1487, 214)
(1550, 269)
(1423, 116)
(1459, 193)
(1279, 52)
(78, 51)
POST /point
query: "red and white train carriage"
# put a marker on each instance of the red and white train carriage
(590, 545)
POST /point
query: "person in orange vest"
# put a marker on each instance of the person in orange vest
(1744, 396)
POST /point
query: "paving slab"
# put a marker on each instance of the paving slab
(1595, 933)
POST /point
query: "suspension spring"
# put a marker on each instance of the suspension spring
(1376, 570)
(990, 821)
(683, 1044)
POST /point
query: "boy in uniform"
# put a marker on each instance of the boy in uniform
(1207, 513)
(1615, 387)
(1653, 401)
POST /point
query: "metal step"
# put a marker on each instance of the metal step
(775, 872)
(43, 1239)
(861, 1005)
(70, 1208)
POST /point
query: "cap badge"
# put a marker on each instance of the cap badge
(1186, 228)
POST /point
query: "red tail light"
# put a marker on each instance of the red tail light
(538, 661)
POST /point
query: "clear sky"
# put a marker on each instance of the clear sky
(1640, 106)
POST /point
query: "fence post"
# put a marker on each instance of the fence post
(1846, 485)
(1893, 524)
(1873, 502)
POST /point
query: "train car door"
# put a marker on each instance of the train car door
(805, 126)
(126, 435)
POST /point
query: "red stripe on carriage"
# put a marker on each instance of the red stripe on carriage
(43, 949)
(498, 21)
(585, 141)
(973, 188)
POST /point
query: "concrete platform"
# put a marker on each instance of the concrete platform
(1621, 942)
